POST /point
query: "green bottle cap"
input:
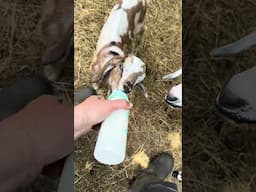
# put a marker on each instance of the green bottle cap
(118, 94)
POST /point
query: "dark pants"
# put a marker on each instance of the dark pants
(160, 187)
(21, 92)
(68, 171)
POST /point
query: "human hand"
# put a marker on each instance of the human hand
(47, 126)
(93, 111)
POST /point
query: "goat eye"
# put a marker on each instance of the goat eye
(113, 53)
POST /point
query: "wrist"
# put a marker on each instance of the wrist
(82, 123)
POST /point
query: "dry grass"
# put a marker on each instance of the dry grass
(150, 121)
(20, 42)
(209, 163)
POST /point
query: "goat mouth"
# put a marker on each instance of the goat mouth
(128, 88)
(240, 115)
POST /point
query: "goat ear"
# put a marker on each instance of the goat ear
(93, 67)
(243, 44)
(111, 64)
(143, 88)
(98, 77)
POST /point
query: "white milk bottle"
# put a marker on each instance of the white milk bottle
(110, 147)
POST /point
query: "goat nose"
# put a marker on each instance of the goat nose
(127, 87)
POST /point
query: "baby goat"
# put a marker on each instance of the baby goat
(123, 24)
(130, 72)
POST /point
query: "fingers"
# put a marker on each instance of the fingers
(112, 105)
(120, 104)
(94, 98)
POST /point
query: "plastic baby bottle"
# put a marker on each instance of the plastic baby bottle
(110, 147)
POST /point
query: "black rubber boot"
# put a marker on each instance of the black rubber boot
(161, 165)
(82, 94)
(21, 92)
(237, 99)
(152, 177)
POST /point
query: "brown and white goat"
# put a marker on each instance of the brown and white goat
(57, 30)
(123, 24)
(129, 72)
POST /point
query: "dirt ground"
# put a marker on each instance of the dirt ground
(217, 155)
(152, 127)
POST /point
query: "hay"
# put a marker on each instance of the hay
(150, 121)
(141, 159)
(236, 186)
(175, 141)
(20, 43)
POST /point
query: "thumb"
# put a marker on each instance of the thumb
(120, 104)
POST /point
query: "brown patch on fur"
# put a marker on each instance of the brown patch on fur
(97, 59)
(126, 38)
(139, 8)
(131, 13)
(114, 77)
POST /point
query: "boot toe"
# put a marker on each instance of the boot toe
(161, 165)
(237, 99)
